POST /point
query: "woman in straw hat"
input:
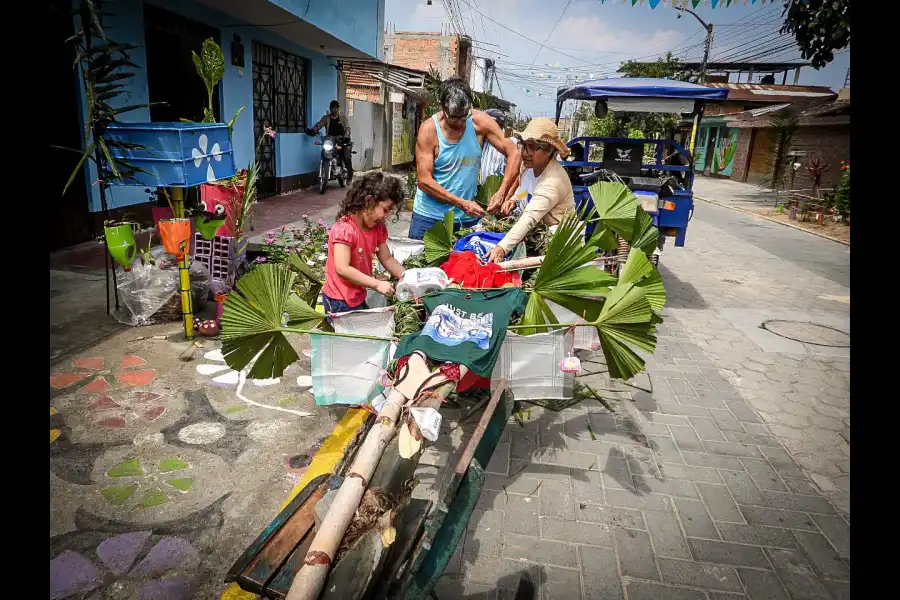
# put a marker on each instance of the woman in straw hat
(552, 197)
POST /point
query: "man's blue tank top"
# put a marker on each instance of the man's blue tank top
(456, 170)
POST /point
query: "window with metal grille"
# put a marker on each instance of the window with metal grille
(280, 80)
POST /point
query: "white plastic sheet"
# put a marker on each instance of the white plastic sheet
(348, 370)
(402, 248)
(586, 338)
(531, 365)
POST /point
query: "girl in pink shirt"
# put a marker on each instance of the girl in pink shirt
(358, 235)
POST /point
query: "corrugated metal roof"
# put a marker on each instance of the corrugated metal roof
(807, 113)
(368, 72)
(763, 92)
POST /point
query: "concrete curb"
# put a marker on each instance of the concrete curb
(764, 218)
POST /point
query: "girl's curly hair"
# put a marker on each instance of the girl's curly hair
(370, 189)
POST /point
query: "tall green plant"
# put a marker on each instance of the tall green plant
(784, 125)
(210, 65)
(101, 60)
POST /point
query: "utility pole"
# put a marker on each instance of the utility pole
(702, 79)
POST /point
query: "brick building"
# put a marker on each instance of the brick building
(450, 55)
(719, 143)
(823, 133)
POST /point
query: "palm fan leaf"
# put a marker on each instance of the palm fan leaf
(644, 234)
(252, 322)
(565, 276)
(639, 270)
(439, 239)
(626, 320)
(537, 311)
(615, 206)
(487, 190)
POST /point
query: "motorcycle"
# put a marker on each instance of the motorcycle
(332, 165)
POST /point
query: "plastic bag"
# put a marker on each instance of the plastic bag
(402, 248)
(429, 422)
(148, 294)
(586, 338)
(415, 283)
(348, 370)
(531, 365)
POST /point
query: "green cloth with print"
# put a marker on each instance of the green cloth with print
(465, 327)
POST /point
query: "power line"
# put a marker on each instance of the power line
(522, 35)
(552, 29)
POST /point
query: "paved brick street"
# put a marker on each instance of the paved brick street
(723, 473)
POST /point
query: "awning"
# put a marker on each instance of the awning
(374, 73)
(638, 87)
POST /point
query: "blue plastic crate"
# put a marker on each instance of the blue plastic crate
(174, 154)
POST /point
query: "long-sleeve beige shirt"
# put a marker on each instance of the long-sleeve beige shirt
(551, 200)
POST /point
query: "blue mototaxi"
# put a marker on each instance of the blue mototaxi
(664, 187)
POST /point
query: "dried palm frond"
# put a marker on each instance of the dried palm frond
(375, 503)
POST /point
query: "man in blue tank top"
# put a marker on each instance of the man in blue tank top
(448, 158)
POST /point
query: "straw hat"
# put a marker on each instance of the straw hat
(543, 129)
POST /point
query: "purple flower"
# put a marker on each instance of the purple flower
(270, 233)
(284, 227)
(260, 259)
(321, 222)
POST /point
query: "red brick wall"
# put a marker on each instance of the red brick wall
(742, 155)
(364, 93)
(424, 52)
(830, 143)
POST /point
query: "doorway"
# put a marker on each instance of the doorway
(172, 79)
(72, 224)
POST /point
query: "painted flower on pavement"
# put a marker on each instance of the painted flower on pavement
(108, 406)
(166, 572)
(155, 483)
(93, 368)
(225, 376)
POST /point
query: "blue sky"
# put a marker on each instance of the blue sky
(592, 38)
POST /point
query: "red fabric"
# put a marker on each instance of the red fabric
(473, 380)
(363, 245)
(465, 268)
(450, 371)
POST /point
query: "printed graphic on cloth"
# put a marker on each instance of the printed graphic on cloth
(465, 327)
(450, 326)
(480, 243)
(523, 194)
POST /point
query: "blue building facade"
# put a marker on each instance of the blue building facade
(280, 57)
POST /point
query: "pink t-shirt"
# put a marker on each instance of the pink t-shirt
(363, 245)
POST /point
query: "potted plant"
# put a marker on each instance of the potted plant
(120, 242)
(219, 197)
(175, 233)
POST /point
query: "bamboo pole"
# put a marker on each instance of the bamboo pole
(522, 263)
(184, 274)
(310, 580)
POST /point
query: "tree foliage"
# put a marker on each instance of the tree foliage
(820, 27)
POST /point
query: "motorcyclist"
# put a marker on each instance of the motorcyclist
(336, 125)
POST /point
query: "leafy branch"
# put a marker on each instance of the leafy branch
(100, 61)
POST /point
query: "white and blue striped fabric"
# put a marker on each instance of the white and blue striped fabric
(492, 161)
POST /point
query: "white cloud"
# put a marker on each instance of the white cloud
(595, 35)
